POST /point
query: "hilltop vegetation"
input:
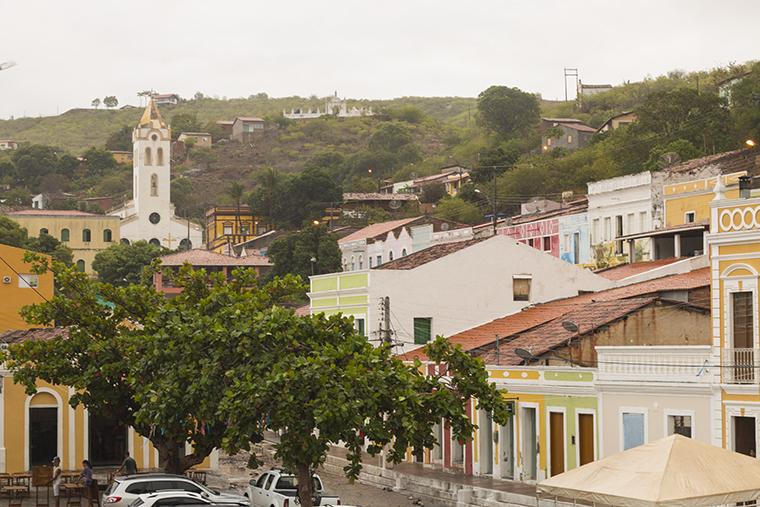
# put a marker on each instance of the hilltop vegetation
(289, 171)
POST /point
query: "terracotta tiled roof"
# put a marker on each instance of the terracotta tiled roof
(304, 310)
(535, 217)
(36, 334)
(579, 126)
(374, 230)
(626, 270)
(376, 196)
(200, 258)
(730, 161)
(248, 118)
(588, 317)
(533, 316)
(429, 254)
(52, 213)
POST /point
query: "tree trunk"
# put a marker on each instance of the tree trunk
(170, 460)
(305, 485)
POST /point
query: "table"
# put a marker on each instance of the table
(73, 493)
(70, 476)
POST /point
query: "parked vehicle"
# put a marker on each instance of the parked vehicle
(278, 488)
(125, 489)
(176, 498)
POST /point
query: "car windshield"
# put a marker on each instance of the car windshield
(290, 482)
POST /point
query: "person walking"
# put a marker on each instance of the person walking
(56, 480)
(86, 479)
(128, 466)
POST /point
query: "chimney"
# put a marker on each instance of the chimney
(745, 185)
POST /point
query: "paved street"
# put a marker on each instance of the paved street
(364, 495)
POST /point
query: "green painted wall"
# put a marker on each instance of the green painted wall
(356, 281)
(321, 303)
(324, 284)
(571, 404)
(584, 376)
(353, 300)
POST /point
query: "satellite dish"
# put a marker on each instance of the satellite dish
(669, 158)
(7, 65)
(394, 204)
(525, 355)
(444, 226)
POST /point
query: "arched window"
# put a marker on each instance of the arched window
(148, 158)
(185, 244)
(154, 241)
(86, 235)
(107, 235)
(65, 235)
(160, 156)
(43, 231)
(80, 265)
(124, 241)
(390, 255)
(361, 262)
(353, 263)
(403, 252)
(154, 185)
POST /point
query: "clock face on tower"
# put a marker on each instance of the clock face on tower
(154, 218)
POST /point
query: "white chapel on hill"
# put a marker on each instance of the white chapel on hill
(150, 213)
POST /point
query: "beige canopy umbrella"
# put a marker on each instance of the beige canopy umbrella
(673, 472)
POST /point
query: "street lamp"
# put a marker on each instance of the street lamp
(751, 143)
(316, 222)
(313, 261)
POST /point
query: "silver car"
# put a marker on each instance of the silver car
(176, 498)
(125, 489)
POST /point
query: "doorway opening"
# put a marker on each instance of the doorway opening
(43, 435)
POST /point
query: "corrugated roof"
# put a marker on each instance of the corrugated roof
(376, 196)
(533, 316)
(579, 126)
(35, 334)
(248, 118)
(552, 334)
(374, 230)
(626, 270)
(52, 213)
(730, 161)
(200, 258)
(429, 254)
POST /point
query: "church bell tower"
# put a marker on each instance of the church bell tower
(151, 173)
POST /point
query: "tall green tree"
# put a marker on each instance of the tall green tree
(293, 253)
(110, 101)
(156, 364)
(319, 383)
(236, 192)
(122, 265)
(508, 111)
(120, 140)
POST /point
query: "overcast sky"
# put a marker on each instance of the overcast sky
(68, 52)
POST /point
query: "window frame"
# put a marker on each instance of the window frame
(644, 412)
(686, 217)
(65, 235)
(668, 413)
(429, 329)
(86, 235)
(529, 279)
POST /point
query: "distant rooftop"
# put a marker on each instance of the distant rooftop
(53, 213)
(430, 254)
(200, 258)
(376, 196)
(375, 230)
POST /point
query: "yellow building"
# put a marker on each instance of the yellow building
(19, 287)
(734, 243)
(227, 226)
(85, 233)
(689, 202)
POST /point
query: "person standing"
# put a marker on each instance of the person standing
(86, 478)
(129, 466)
(56, 480)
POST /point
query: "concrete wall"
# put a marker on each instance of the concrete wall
(15, 294)
(536, 232)
(569, 225)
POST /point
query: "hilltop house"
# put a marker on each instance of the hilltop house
(8, 144)
(165, 99)
(567, 133)
(198, 139)
(619, 120)
(244, 128)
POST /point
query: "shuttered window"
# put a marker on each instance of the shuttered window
(422, 330)
(521, 288)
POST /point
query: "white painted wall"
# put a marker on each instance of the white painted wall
(627, 196)
(474, 286)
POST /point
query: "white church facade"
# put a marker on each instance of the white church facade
(150, 214)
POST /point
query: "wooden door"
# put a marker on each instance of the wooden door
(585, 438)
(557, 439)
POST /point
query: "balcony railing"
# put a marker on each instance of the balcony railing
(740, 366)
(679, 364)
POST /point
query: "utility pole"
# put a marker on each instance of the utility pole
(570, 73)
(387, 319)
(493, 200)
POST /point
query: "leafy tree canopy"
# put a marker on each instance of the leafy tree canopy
(122, 265)
(292, 254)
(11, 233)
(508, 111)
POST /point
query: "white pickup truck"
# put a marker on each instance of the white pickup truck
(278, 488)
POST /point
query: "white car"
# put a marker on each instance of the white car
(277, 488)
(174, 498)
(125, 489)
